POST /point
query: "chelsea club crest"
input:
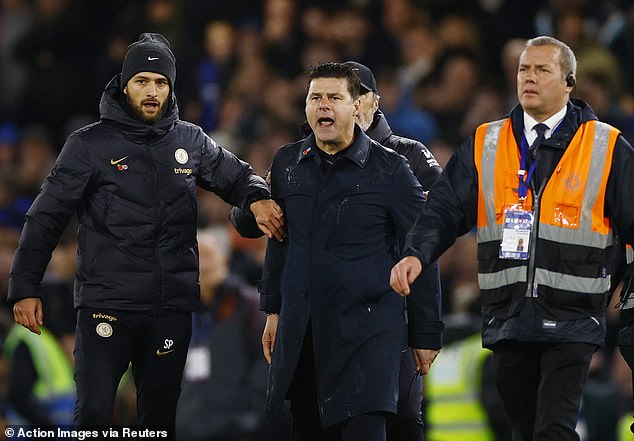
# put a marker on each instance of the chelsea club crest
(181, 156)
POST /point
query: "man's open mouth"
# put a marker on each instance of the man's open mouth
(325, 122)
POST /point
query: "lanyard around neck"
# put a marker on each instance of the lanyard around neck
(524, 177)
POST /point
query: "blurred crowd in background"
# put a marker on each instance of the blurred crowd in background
(442, 67)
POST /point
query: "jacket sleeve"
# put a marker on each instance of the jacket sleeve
(620, 210)
(269, 286)
(421, 161)
(424, 304)
(59, 199)
(20, 385)
(229, 177)
(244, 222)
(451, 208)
(618, 201)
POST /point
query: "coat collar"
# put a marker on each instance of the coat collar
(113, 107)
(577, 113)
(379, 130)
(358, 151)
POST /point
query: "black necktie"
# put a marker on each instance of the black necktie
(541, 130)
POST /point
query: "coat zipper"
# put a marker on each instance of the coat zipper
(531, 289)
(159, 272)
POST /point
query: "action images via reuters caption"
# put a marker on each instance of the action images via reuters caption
(61, 433)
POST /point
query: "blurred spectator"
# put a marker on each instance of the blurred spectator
(442, 151)
(228, 132)
(9, 137)
(623, 47)
(405, 118)
(8, 243)
(621, 376)
(487, 104)
(260, 153)
(358, 39)
(165, 17)
(459, 273)
(36, 157)
(41, 389)
(57, 289)
(16, 18)
(509, 61)
(274, 116)
(458, 31)
(315, 52)
(280, 33)
(501, 21)
(13, 206)
(456, 407)
(400, 15)
(224, 384)
(40, 385)
(420, 49)
(52, 51)
(461, 398)
(597, 89)
(108, 63)
(247, 258)
(449, 91)
(603, 401)
(314, 23)
(212, 210)
(214, 71)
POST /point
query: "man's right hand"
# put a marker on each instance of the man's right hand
(269, 217)
(404, 273)
(268, 337)
(424, 358)
(28, 313)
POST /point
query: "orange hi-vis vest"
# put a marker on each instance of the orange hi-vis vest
(569, 211)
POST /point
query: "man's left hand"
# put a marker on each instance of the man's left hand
(269, 217)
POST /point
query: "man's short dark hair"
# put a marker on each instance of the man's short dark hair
(338, 70)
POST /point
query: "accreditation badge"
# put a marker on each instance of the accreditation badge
(516, 233)
(198, 364)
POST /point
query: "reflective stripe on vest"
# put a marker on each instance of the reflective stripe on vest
(454, 411)
(571, 207)
(486, 157)
(573, 213)
(55, 386)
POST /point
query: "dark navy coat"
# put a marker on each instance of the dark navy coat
(333, 270)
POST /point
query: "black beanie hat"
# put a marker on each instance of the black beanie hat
(151, 53)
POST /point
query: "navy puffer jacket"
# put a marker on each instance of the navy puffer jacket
(133, 187)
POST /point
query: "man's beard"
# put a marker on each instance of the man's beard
(138, 111)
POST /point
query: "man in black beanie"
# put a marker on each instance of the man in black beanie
(151, 53)
(131, 179)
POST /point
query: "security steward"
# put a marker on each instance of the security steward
(551, 174)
